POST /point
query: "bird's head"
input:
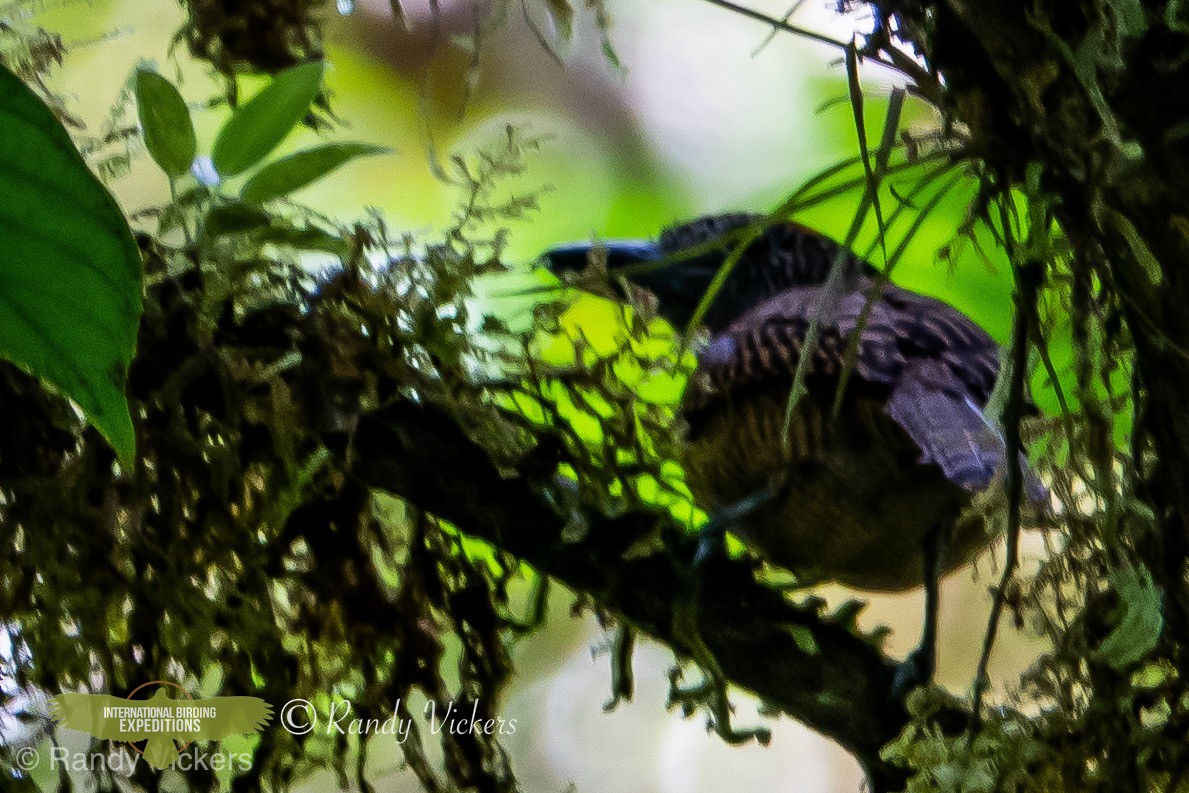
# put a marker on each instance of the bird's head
(681, 264)
(678, 284)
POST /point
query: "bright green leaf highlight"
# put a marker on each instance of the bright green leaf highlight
(70, 272)
(294, 172)
(168, 131)
(1139, 618)
(257, 126)
(804, 639)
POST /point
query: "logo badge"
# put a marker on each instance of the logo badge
(160, 720)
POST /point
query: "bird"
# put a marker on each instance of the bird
(876, 492)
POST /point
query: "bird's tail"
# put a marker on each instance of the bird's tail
(952, 432)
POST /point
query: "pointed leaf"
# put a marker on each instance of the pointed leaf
(562, 14)
(803, 637)
(297, 170)
(1139, 618)
(308, 238)
(70, 272)
(235, 218)
(168, 131)
(258, 125)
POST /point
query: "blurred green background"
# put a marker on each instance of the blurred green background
(697, 118)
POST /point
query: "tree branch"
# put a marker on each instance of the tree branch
(843, 690)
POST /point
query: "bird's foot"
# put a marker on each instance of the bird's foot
(914, 671)
(710, 536)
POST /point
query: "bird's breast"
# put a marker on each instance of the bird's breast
(853, 505)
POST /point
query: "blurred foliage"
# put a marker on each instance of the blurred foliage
(1106, 708)
(269, 36)
(237, 554)
(31, 53)
(258, 36)
(239, 557)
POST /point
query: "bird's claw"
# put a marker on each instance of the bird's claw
(914, 671)
(711, 535)
(710, 544)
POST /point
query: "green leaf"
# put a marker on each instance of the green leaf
(803, 637)
(1139, 618)
(297, 170)
(308, 238)
(235, 218)
(562, 14)
(70, 271)
(168, 131)
(257, 126)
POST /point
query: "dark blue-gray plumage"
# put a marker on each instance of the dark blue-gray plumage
(786, 255)
(855, 498)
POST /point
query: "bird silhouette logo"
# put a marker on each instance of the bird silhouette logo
(161, 721)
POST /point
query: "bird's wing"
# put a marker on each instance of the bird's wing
(950, 367)
(765, 345)
(933, 367)
(900, 329)
(928, 329)
(84, 712)
(236, 716)
(929, 402)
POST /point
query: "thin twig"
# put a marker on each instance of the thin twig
(772, 33)
(822, 38)
(884, 153)
(1028, 274)
(852, 346)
